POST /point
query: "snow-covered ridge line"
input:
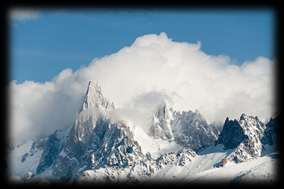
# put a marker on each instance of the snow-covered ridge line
(246, 136)
(99, 148)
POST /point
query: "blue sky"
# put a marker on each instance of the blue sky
(44, 43)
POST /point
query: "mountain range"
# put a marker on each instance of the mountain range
(178, 146)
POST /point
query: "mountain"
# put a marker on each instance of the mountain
(52, 147)
(94, 141)
(247, 136)
(110, 145)
(186, 128)
(232, 134)
(95, 105)
(177, 145)
(269, 135)
(191, 129)
(161, 123)
(24, 158)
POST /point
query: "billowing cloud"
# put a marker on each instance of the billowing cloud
(23, 14)
(153, 66)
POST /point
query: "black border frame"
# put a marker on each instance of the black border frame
(275, 6)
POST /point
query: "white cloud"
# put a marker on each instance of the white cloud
(23, 15)
(153, 64)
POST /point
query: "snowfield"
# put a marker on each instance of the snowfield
(261, 169)
(24, 160)
(202, 169)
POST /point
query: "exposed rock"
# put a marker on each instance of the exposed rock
(51, 150)
(232, 134)
(161, 127)
(270, 132)
(179, 158)
(191, 130)
(95, 105)
(98, 149)
(249, 131)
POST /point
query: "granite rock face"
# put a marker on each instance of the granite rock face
(94, 106)
(117, 148)
(244, 136)
(272, 127)
(179, 158)
(232, 134)
(110, 145)
(191, 130)
(50, 153)
(161, 123)
(93, 142)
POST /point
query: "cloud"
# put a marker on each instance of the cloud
(23, 15)
(153, 66)
(139, 111)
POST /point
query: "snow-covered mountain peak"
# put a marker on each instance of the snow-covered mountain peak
(94, 106)
(244, 135)
(251, 124)
(161, 124)
(192, 130)
(244, 116)
(102, 145)
(95, 98)
(248, 118)
(164, 110)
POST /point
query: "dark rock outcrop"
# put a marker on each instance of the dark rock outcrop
(270, 132)
(232, 134)
(191, 130)
(244, 136)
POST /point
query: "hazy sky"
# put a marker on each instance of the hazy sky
(45, 42)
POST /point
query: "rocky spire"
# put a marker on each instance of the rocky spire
(244, 135)
(94, 106)
(161, 125)
(95, 99)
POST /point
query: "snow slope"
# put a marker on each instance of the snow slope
(155, 146)
(24, 158)
(255, 170)
(199, 169)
